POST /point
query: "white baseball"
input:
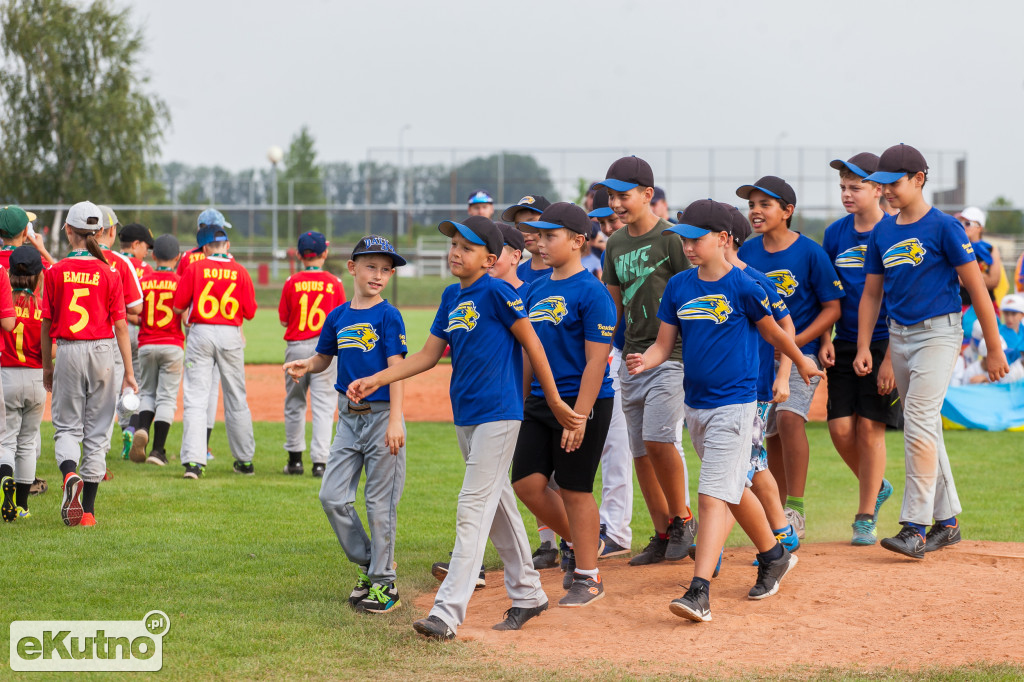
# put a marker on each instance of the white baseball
(130, 402)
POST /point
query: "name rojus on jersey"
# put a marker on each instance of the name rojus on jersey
(361, 336)
(784, 281)
(907, 252)
(551, 309)
(713, 307)
(852, 257)
(464, 316)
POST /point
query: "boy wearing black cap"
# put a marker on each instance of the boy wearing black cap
(361, 337)
(718, 311)
(480, 203)
(806, 280)
(161, 354)
(484, 322)
(639, 261)
(306, 299)
(859, 408)
(136, 242)
(507, 263)
(528, 208)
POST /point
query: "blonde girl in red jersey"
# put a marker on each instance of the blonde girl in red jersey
(84, 313)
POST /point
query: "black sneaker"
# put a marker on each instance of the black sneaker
(680, 537)
(563, 548)
(158, 457)
(546, 556)
(293, 468)
(654, 553)
(380, 598)
(8, 510)
(569, 559)
(940, 536)
(517, 616)
(695, 605)
(244, 468)
(583, 591)
(194, 470)
(318, 470)
(770, 574)
(907, 542)
(440, 571)
(434, 628)
(361, 589)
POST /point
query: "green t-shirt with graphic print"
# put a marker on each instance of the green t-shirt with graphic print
(641, 267)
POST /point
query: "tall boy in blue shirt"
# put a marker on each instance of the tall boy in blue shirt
(485, 323)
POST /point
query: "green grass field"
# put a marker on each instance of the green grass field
(255, 584)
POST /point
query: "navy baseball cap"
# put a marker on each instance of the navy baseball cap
(204, 235)
(477, 230)
(600, 204)
(897, 161)
(166, 247)
(563, 214)
(702, 217)
(212, 217)
(741, 229)
(531, 202)
(374, 245)
(480, 197)
(312, 242)
(133, 232)
(627, 173)
(219, 234)
(512, 237)
(863, 164)
(772, 186)
(659, 195)
(26, 261)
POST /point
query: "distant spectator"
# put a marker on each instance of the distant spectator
(594, 251)
(989, 259)
(480, 203)
(659, 205)
(977, 372)
(1011, 309)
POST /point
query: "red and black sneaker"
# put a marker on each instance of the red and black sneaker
(71, 503)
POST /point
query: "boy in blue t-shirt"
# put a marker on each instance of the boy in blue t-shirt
(366, 334)
(574, 317)
(805, 279)
(859, 408)
(718, 311)
(528, 208)
(916, 260)
(485, 323)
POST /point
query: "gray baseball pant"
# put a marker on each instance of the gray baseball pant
(24, 399)
(82, 408)
(160, 367)
(323, 398)
(360, 443)
(923, 356)
(211, 406)
(486, 501)
(220, 348)
(617, 468)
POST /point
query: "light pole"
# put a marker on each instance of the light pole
(274, 155)
(400, 185)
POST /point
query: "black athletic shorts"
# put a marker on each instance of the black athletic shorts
(539, 448)
(850, 394)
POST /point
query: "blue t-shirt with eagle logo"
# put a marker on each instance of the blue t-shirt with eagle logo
(566, 313)
(363, 339)
(803, 276)
(716, 322)
(487, 361)
(846, 247)
(918, 263)
(765, 350)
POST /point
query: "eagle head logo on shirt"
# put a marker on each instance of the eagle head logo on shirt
(551, 309)
(852, 257)
(907, 252)
(714, 307)
(463, 317)
(784, 281)
(361, 336)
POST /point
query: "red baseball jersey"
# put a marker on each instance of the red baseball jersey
(188, 258)
(219, 291)
(6, 302)
(21, 347)
(5, 256)
(158, 324)
(142, 268)
(306, 299)
(129, 280)
(82, 298)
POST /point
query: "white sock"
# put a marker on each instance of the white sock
(589, 572)
(547, 535)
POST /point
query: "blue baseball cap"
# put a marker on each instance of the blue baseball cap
(863, 164)
(897, 161)
(477, 230)
(601, 209)
(627, 173)
(480, 197)
(702, 217)
(772, 186)
(312, 242)
(210, 234)
(373, 246)
(213, 217)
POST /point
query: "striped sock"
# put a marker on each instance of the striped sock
(795, 503)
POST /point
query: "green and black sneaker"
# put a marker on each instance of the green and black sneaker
(360, 591)
(244, 468)
(194, 470)
(380, 599)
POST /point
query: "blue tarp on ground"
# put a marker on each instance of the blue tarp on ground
(988, 407)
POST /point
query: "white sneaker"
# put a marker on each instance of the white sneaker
(796, 519)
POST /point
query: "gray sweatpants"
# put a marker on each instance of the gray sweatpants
(82, 409)
(211, 406)
(323, 398)
(359, 444)
(24, 399)
(923, 356)
(223, 345)
(486, 502)
(160, 368)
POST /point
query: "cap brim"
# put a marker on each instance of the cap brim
(31, 216)
(883, 178)
(839, 164)
(541, 225)
(450, 228)
(508, 215)
(479, 201)
(617, 185)
(745, 191)
(687, 231)
(601, 213)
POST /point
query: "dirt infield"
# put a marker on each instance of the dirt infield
(841, 606)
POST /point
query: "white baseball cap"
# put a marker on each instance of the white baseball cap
(983, 349)
(1012, 303)
(972, 214)
(80, 215)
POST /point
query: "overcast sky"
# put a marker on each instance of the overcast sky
(240, 76)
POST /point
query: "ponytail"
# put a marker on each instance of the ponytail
(25, 286)
(93, 247)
